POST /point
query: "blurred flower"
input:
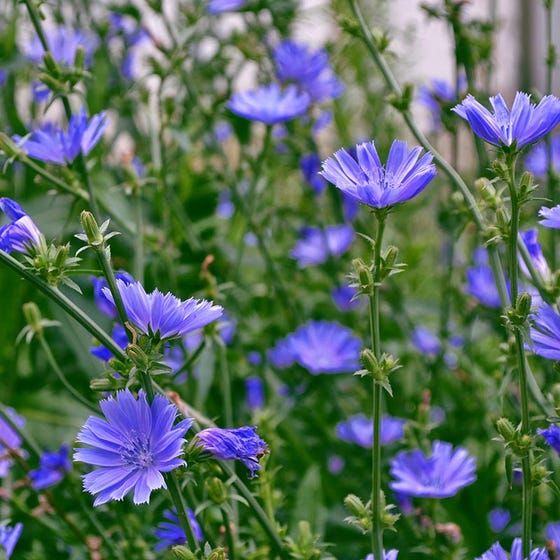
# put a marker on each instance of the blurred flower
(39, 91)
(441, 475)
(254, 390)
(310, 166)
(104, 304)
(391, 555)
(426, 341)
(220, 6)
(535, 252)
(9, 537)
(52, 144)
(480, 281)
(254, 358)
(3, 76)
(9, 440)
(537, 159)
(525, 124)
(170, 533)
(498, 519)
(310, 70)
(132, 446)
(350, 207)
(345, 299)
(225, 208)
(316, 245)
(269, 104)
(164, 315)
(404, 176)
(242, 444)
(335, 464)
(21, 234)
(552, 533)
(550, 217)
(552, 437)
(222, 131)
(226, 328)
(545, 333)
(496, 552)
(323, 120)
(119, 336)
(359, 429)
(438, 94)
(63, 44)
(320, 347)
(53, 467)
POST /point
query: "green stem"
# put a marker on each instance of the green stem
(28, 439)
(226, 382)
(139, 238)
(229, 535)
(81, 166)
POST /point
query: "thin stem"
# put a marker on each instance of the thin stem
(139, 238)
(226, 381)
(229, 535)
(81, 166)
(28, 439)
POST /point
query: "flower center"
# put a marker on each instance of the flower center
(136, 452)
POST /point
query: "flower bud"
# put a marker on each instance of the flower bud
(523, 304)
(33, 317)
(217, 490)
(182, 553)
(101, 385)
(391, 256)
(364, 276)
(354, 505)
(218, 554)
(50, 64)
(138, 356)
(91, 229)
(368, 360)
(506, 430)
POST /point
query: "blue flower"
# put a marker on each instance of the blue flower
(390, 555)
(552, 533)
(530, 238)
(53, 467)
(497, 552)
(552, 437)
(310, 166)
(220, 6)
(537, 159)
(345, 299)
(104, 304)
(226, 328)
(359, 429)
(3, 76)
(319, 347)
(9, 440)
(525, 124)
(426, 341)
(254, 390)
(364, 178)
(170, 533)
(119, 336)
(545, 333)
(52, 144)
(131, 447)
(316, 245)
(550, 217)
(164, 315)
(335, 464)
(39, 91)
(441, 475)
(269, 104)
(9, 537)
(21, 234)
(480, 281)
(498, 519)
(254, 358)
(242, 444)
(222, 131)
(436, 96)
(310, 70)
(63, 44)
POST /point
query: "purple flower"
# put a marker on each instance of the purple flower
(254, 390)
(310, 70)
(364, 178)
(131, 447)
(226, 328)
(316, 245)
(63, 44)
(530, 238)
(104, 304)
(269, 104)
(436, 96)
(53, 467)
(496, 552)
(552, 533)
(359, 429)
(319, 347)
(21, 234)
(170, 533)
(9, 440)
(52, 144)
(220, 6)
(310, 166)
(345, 298)
(9, 537)
(335, 464)
(222, 131)
(441, 475)
(426, 341)
(537, 159)
(3, 76)
(480, 281)
(498, 519)
(39, 91)
(254, 358)
(545, 333)
(164, 315)
(551, 436)
(242, 444)
(119, 336)
(524, 124)
(550, 217)
(391, 555)
(225, 208)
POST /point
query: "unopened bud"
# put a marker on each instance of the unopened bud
(182, 553)
(101, 385)
(91, 229)
(506, 429)
(61, 255)
(33, 317)
(364, 276)
(354, 505)
(217, 490)
(502, 219)
(523, 304)
(50, 64)
(391, 255)
(368, 360)
(138, 356)
(218, 554)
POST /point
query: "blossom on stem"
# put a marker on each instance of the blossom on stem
(53, 467)
(20, 234)
(497, 552)
(316, 245)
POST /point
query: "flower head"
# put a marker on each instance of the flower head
(545, 333)
(552, 437)
(524, 124)
(537, 159)
(52, 144)
(254, 390)
(103, 303)
(359, 429)
(405, 174)
(53, 467)
(550, 217)
(498, 519)
(310, 166)
(269, 104)
(242, 444)
(320, 347)
(9, 537)
(164, 315)
(426, 341)
(441, 475)
(21, 234)
(497, 552)
(438, 95)
(220, 6)
(316, 245)
(9, 440)
(170, 533)
(131, 447)
(480, 281)
(345, 298)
